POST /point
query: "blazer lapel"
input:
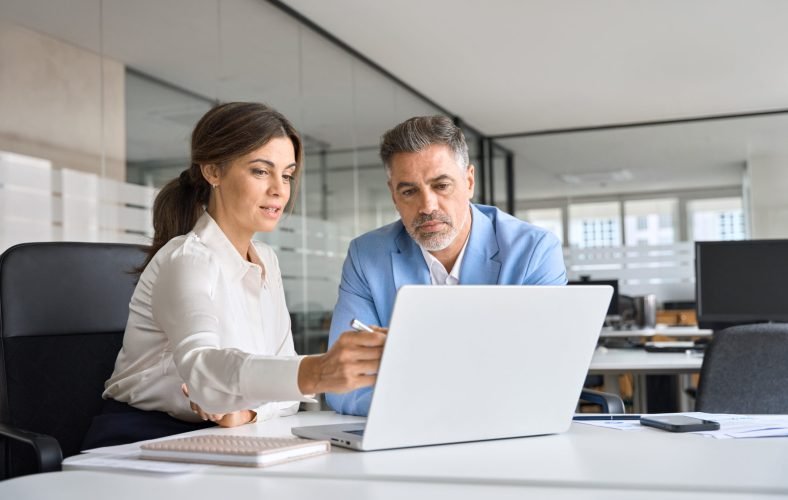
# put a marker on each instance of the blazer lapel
(407, 263)
(480, 265)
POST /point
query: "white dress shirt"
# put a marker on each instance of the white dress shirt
(204, 316)
(438, 274)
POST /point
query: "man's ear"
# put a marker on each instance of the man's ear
(211, 173)
(470, 176)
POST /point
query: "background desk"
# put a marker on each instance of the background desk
(668, 331)
(613, 362)
(585, 458)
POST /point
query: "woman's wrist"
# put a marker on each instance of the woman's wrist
(309, 374)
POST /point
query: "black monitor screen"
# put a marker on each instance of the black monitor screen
(612, 310)
(741, 282)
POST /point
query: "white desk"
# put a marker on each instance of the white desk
(585, 458)
(668, 331)
(612, 362)
(79, 485)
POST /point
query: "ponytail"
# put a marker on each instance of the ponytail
(177, 207)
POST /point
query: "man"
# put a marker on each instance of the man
(440, 239)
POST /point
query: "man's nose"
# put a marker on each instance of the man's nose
(428, 202)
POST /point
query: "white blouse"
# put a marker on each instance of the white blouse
(204, 316)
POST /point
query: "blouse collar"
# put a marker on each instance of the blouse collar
(214, 238)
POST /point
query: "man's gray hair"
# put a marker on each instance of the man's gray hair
(418, 133)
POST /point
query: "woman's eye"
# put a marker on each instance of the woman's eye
(288, 178)
(259, 172)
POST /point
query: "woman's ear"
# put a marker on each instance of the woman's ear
(210, 173)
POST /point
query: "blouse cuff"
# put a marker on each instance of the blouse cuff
(269, 378)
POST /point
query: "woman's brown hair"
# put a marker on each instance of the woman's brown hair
(225, 133)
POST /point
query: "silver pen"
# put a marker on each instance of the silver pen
(360, 327)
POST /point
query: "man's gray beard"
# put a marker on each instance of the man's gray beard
(435, 242)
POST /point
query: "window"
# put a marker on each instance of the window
(716, 219)
(594, 225)
(547, 218)
(650, 222)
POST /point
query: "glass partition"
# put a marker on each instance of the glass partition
(86, 141)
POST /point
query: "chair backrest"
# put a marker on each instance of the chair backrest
(63, 311)
(745, 370)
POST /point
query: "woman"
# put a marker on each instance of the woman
(208, 320)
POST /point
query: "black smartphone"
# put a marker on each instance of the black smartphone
(679, 423)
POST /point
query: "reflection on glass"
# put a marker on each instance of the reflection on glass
(121, 107)
(159, 121)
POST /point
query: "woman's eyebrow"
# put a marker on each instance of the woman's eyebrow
(270, 163)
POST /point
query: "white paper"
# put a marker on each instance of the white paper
(732, 426)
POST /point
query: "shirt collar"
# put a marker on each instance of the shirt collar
(209, 232)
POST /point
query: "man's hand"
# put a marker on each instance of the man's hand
(352, 362)
(233, 419)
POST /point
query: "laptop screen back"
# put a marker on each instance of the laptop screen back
(467, 363)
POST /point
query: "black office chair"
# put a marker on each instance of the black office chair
(63, 310)
(745, 370)
(610, 403)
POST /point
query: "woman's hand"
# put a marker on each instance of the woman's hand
(233, 419)
(351, 363)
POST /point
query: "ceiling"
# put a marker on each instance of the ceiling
(522, 65)
(656, 158)
(510, 66)
(503, 66)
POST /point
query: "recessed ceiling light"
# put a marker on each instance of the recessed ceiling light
(622, 175)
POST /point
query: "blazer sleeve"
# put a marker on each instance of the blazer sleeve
(546, 265)
(354, 301)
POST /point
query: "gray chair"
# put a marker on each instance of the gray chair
(63, 311)
(745, 370)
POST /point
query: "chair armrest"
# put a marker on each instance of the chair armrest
(610, 403)
(47, 450)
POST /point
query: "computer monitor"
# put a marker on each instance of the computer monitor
(739, 282)
(612, 309)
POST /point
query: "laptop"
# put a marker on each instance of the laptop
(477, 362)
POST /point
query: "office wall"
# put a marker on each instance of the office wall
(61, 103)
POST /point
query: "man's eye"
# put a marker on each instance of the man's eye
(407, 192)
(442, 187)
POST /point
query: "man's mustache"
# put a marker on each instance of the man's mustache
(431, 217)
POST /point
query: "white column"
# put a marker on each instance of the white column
(766, 189)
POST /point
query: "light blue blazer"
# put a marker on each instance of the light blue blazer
(501, 250)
